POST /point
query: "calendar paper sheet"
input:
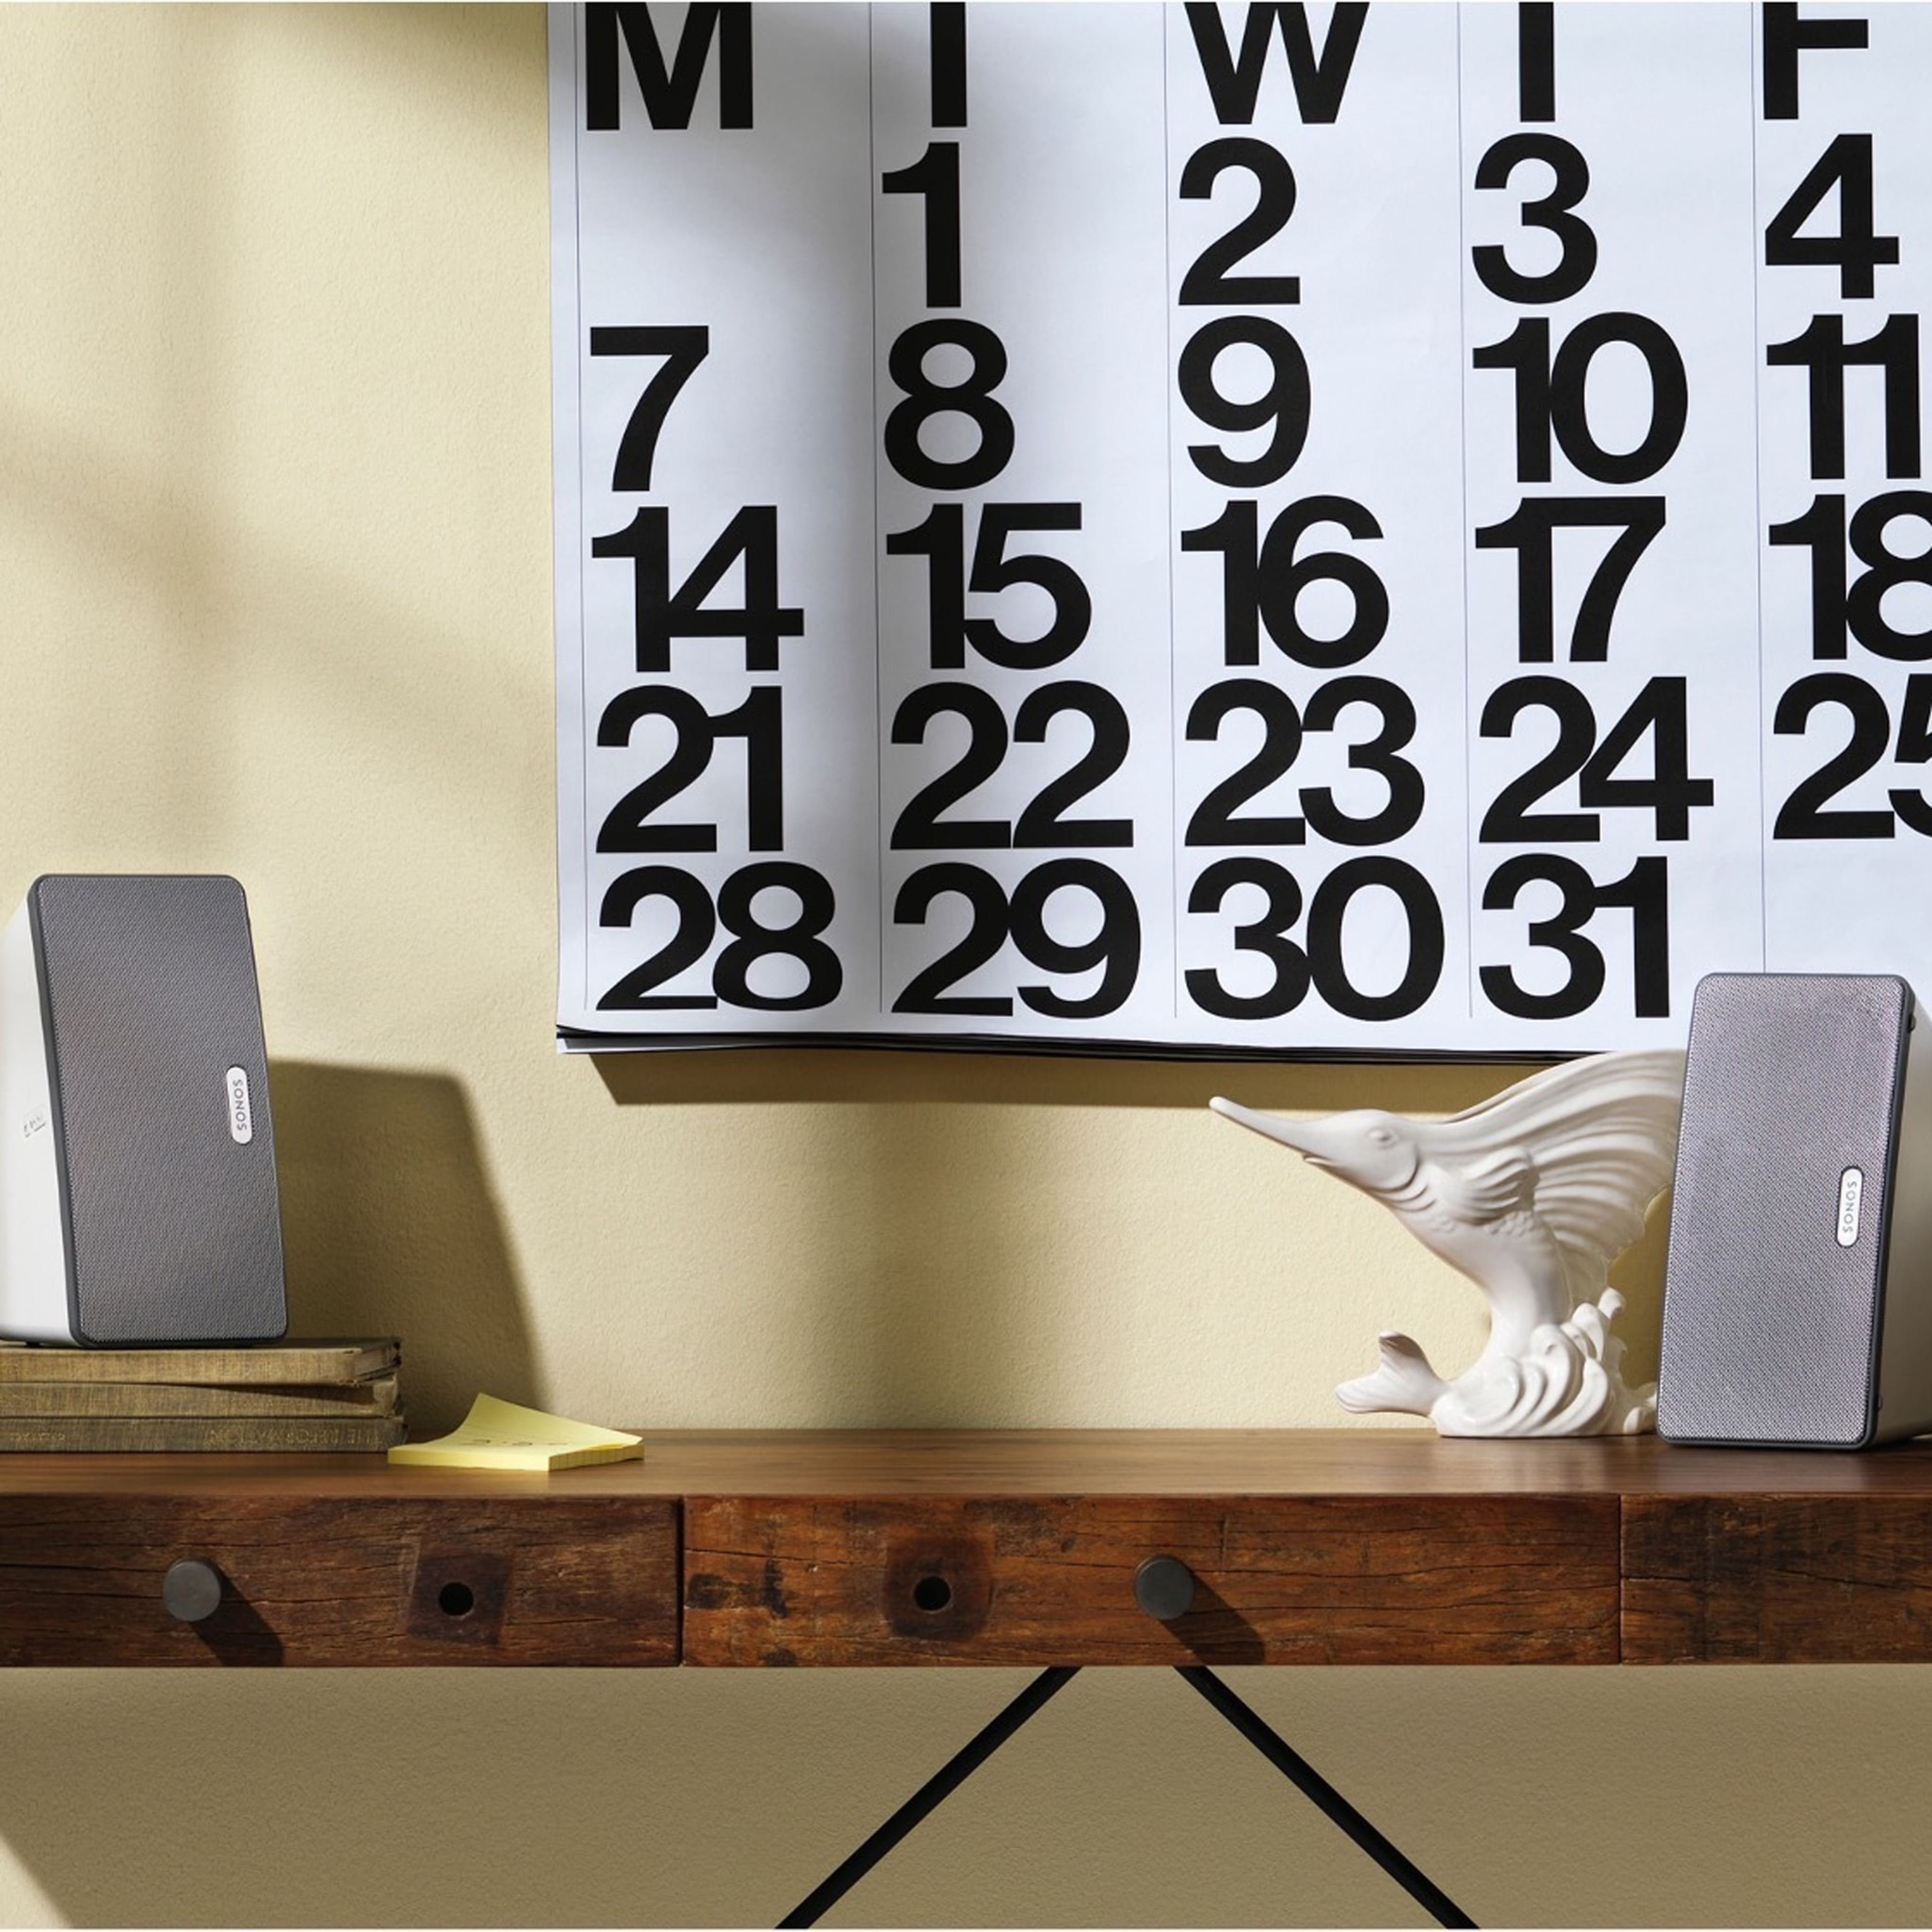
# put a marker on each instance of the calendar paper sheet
(1244, 528)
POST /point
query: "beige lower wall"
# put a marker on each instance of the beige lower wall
(274, 599)
(1534, 1797)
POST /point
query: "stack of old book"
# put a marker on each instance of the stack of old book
(295, 1395)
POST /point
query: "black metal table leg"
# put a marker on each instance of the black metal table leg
(940, 1786)
(1292, 1766)
(1324, 1796)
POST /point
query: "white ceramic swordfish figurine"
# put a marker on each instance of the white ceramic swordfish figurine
(1532, 1194)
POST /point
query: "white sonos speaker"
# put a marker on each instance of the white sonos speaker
(1797, 1291)
(138, 1197)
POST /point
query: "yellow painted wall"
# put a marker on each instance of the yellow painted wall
(275, 597)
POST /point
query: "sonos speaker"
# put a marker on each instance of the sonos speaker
(137, 1159)
(1798, 1290)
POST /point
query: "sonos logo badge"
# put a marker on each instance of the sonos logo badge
(241, 1118)
(1851, 1195)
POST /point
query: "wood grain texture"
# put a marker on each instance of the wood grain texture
(140, 1435)
(1248, 1462)
(1777, 1580)
(1040, 1580)
(810, 1546)
(317, 1580)
(1034, 1461)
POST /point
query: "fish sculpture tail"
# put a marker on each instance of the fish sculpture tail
(1403, 1381)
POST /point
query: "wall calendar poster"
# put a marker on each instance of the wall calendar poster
(1331, 529)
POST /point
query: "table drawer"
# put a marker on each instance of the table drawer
(319, 1580)
(1777, 1580)
(1040, 1580)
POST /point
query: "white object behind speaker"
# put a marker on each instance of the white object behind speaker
(1797, 1291)
(138, 1196)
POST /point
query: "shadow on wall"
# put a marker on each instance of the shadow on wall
(878, 1076)
(922, 1106)
(392, 1227)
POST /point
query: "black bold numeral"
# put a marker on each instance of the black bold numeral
(1821, 529)
(1531, 533)
(971, 397)
(1823, 350)
(1857, 249)
(1670, 793)
(1644, 890)
(1915, 748)
(935, 176)
(1553, 394)
(1885, 570)
(1578, 261)
(697, 925)
(940, 539)
(683, 349)
(1859, 606)
(1267, 934)
(750, 538)
(1284, 401)
(1043, 822)
(927, 992)
(1261, 579)
(758, 721)
(1803, 814)
(1509, 819)
(1208, 281)
(799, 940)
(1114, 946)
(1322, 712)
(1214, 822)
(1322, 963)
(1660, 713)
(920, 826)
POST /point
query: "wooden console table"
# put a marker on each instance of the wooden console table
(1052, 1548)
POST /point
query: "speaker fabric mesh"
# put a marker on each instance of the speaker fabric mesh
(1769, 1324)
(150, 997)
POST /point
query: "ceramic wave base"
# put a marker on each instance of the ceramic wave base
(1532, 1194)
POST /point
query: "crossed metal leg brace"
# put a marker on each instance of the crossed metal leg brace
(1290, 1763)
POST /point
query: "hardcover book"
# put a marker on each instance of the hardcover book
(330, 1363)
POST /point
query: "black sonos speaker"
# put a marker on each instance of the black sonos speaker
(138, 1196)
(1797, 1291)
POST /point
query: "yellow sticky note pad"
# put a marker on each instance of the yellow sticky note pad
(498, 1434)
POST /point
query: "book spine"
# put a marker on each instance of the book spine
(366, 1399)
(137, 1434)
(313, 1364)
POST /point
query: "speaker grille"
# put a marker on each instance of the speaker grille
(174, 1226)
(1768, 1323)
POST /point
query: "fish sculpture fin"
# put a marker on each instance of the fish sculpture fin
(1402, 1382)
(1602, 1133)
(1499, 1182)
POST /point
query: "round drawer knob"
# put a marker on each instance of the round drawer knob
(1164, 1587)
(191, 1590)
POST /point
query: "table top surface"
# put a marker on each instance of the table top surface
(679, 1463)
